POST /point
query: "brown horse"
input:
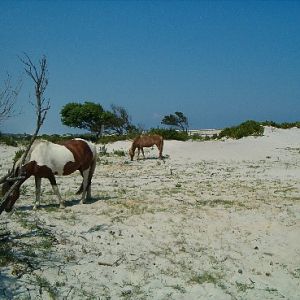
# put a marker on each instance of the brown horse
(146, 141)
(45, 160)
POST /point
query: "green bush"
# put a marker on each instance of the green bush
(111, 138)
(244, 129)
(170, 134)
(119, 153)
(284, 125)
(8, 140)
(18, 155)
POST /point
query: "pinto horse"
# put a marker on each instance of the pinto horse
(146, 141)
(45, 160)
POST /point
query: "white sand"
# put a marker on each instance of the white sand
(214, 220)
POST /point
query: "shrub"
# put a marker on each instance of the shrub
(244, 129)
(18, 155)
(170, 134)
(8, 140)
(111, 138)
(284, 125)
(119, 153)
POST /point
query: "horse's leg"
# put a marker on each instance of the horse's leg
(89, 191)
(56, 191)
(143, 152)
(38, 182)
(160, 152)
(160, 148)
(138, 156)
(85, 182)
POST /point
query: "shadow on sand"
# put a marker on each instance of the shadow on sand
(68, 203)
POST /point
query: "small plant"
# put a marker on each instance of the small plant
(6, 254)
(23, 189)
(119, 153)
(206, 277)
(179, 288)
(43, 283)
(18, 155)
(243, 287)
(103, 151)
(22, 218)
(296, 273)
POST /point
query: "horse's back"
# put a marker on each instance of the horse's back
(148, 140)
(56, 156)
(83, 151)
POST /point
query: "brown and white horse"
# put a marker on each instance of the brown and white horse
(45, 160)
(146, 141)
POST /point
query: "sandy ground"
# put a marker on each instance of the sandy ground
(213, 220)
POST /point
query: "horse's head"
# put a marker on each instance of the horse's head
(8, 204)
(12, 197)
(131, 153)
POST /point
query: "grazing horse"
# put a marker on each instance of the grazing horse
(45, 160)
(146, 141)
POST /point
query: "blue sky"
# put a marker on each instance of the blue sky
(218, 62)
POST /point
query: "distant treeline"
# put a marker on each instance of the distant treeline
(247, 128)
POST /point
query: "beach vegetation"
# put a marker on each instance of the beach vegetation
(170, 134)
(8, 140)
(92, 117)
(296, 273)
(44, 284)
(6, 254)
(176, 120)
(243, 287)
(18, 155)
(119, 153)
(206, 277)
(284, 125)
(248, 128)
(88, 115)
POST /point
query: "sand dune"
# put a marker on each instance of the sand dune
(215, 219)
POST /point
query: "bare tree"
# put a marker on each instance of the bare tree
(39, 75)
(8, 97)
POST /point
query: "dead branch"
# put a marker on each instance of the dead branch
(113, 264)
(8, 98)
(39, 76)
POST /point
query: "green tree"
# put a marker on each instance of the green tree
(176, 120)
(94, 118)
(89, 116)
